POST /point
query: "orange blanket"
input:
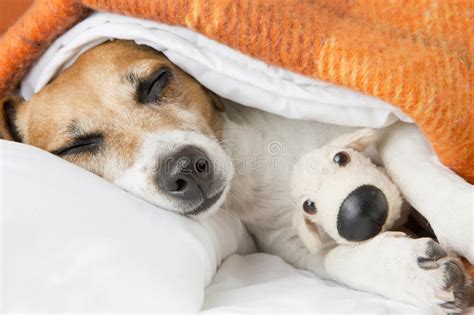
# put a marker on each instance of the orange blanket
(417, 55)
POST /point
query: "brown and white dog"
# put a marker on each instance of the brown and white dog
(127, 114)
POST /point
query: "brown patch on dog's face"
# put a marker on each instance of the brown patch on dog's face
(123, 111)
(99, 109)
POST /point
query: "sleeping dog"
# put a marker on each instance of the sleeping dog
(127, 114)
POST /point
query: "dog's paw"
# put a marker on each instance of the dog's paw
(462, 244)
(442, 283)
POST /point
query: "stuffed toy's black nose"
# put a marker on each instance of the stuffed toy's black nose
(362, 214)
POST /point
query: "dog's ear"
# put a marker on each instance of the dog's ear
(216, 101)
(308, 232)
(359, 140)
(8, 112)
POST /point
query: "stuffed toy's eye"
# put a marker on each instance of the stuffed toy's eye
(342, 158)
(309, 207)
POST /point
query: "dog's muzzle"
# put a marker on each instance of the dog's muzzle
(187, 175)
(362, 214)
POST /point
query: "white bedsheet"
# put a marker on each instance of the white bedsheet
(262, 283)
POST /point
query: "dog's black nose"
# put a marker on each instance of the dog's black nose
(362, 214)
(186, 174)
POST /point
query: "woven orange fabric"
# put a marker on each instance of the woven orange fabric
(417, 54)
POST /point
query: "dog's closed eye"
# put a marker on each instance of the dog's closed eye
(149, 90)
(86, 143)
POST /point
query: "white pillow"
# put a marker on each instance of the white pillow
(72, 242)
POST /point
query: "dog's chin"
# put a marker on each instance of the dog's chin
(207, 207)
(197, 211)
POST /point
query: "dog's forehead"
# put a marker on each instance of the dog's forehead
(110, 64)
(98, 71)
(98, 93)
(77, 92)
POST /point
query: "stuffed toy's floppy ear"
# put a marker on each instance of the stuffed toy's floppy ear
(8, 110)
(308, 232)
(359, 140)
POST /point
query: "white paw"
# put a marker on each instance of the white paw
(463, 244)
(438, 282)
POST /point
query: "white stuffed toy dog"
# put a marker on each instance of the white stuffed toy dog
(342, 196)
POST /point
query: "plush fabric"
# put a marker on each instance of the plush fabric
(417, 55)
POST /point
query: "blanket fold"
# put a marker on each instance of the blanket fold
(416, 55)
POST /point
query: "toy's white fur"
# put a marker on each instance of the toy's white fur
(316, 177)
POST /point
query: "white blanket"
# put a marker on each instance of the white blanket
(73, 242)
(223, 70)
